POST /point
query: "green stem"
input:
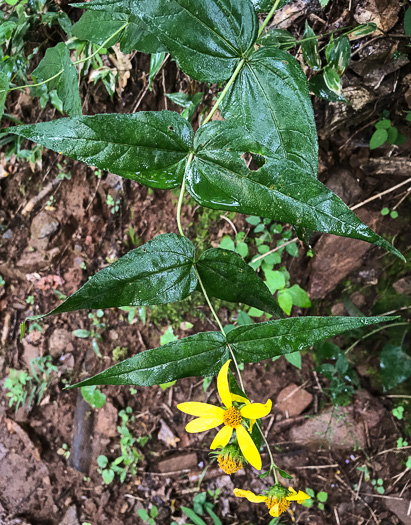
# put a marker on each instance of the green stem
(269, 16)
(75, 63)
(372, 333)
(180, 199)
(273, 466)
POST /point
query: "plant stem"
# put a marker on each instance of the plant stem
(372, 333)
(272, 464)
(180, 199)
(269, 16)
(225, 90)
(75, 63)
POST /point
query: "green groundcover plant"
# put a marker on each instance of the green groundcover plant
(268, 115)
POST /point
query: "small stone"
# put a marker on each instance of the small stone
(343, 184)
(293, 401)
(357, 299)
(43, 225)
(30, 352)
(106, 420)
(70, 517)
(338, 309)
(7, 235)
(177, 463)
(399, 508)
(60, 342)
(403, 286)
(166, 435)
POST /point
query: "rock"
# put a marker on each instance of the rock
(67, 363)
(70, 517)
(7, 235)
(60, 342)
(166, 435)
(358, 96)
(343, 255)
(106, 420)
(293, 401)
(344, 185)
(177, 463)
(338, 309)
(384, 13)
(43, 226)
(358, 299)
(30, 352)
(399, 508)
(403, 286)
(339, 430)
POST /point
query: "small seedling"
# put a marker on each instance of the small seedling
(320, 498)
(150, 519)
(393, 214)
(64, 451)
(398, 412)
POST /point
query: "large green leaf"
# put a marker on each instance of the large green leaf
(219, 178)
(149, 147)
(253, 343)
(227, 276)
(270, 99)
(56, 63)
(201, 354)
(4, 87)
(161, 271)
(206, 38)
(96, 26)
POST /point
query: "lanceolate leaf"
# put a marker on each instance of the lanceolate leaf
(253, 343)
(227, 276)
(270, 99)
(338, 53)
(309, 46)
(4, 87)
(149, 147)
(201, 354)
(207, 38)
(160, 271)
(55, 61)
(319, 87)
(218, 178)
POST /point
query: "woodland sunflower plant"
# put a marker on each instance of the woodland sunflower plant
(263, 97)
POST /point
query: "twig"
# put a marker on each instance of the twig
(362, 501)
(143, 94)
(380, 194)
(336, 465)
(40, 196)
(381, 496)
(229, 222)
(337, 517)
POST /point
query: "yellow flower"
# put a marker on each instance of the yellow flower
(277, 499)
(210, 416)
(230, 459)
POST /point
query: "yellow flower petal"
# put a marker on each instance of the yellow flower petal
(202, 424)
(222, 438)
(248, 447)
(240, 399)
(222, 385)
(254, 498)
(201, 410)
(275, 510)
(256, 410)
(298, 497)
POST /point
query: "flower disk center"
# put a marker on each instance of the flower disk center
(282, 503)
(232, 417)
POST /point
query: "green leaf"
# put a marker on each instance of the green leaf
(392, 134)
(338, 53)
(82, 334)
(256, 342)
(219, 178)
(407, 22)
(285, 301)
(56, 63)
(227, 276)
(161, 271)
(243, 319)
(324, 3)
(277, 38)
(294, 359)
(209, 508)
(97, 26)
(363, 30)
(300, 296)
(395, 366)
(383, 124)
(108, 476)
(320, 89)
(332, 80)
(143, 514)
(193, 516)
(284, 474)
(149, 147)
(4, 87)
(309, 47)
(206, 40)
(202, 354)
(322, 496)
(93, 396)
(156, 60)
(137, 36)
(102, 461)
(378, 138)
(263, 6)
(272, 84)
(168, 336)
